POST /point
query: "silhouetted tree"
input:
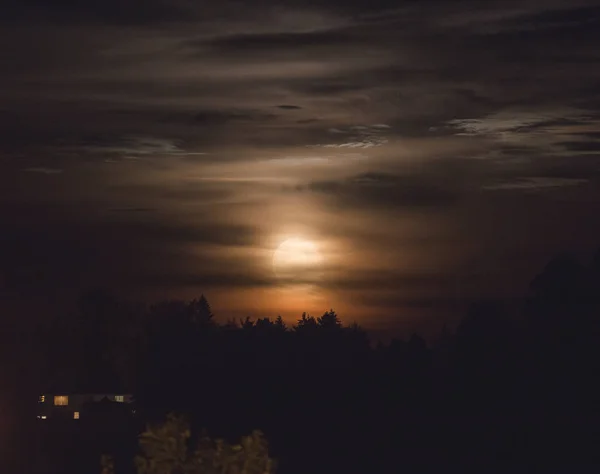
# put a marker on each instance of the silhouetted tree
(279, 324)
(246, 324)
(306, 323)
(200, 312)
(264, 325)
(329, 321)
(231, 324)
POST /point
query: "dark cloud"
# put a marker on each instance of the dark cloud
(590, 135)
(216, 117)
(213, 233)
(386, 280)
(582, 145)
(327, 86)
(174, 193)
(534, 183)
(206, 281)
(109, 11)
(393, 302)
(383, 190)
(583, 166)
(289, 107)
(133, 209)
(568, 19)
(143, 140)
(280, 43)
(83, 254)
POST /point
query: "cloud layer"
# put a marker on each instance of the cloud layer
(176, 143)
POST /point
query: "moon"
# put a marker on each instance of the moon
(296, 258)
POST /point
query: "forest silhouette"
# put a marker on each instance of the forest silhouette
(501, 390)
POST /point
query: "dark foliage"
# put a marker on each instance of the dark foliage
(499, 392)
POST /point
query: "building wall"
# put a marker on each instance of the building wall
(75, 404)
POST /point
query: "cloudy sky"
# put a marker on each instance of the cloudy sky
(433, 151)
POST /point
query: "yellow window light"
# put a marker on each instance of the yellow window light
(61, 400)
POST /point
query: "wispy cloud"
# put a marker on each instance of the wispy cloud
(111, 149)
(138, 146)
(534, 183)
(317, 160)
(385, 190)
(511, 125)
(133, 209)
(358, 136)
(49, 171)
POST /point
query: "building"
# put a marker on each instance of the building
(74, 428)
(78, 406)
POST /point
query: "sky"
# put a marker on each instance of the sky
(434, 152)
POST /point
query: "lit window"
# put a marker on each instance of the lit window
(61, 400)
(119, 398)
(42, 398)
(76, 415)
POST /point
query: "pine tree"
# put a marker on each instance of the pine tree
(329, 320)
(280, 324)
(200, 313)
(306, 322)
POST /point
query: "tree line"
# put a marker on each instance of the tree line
(499, 390)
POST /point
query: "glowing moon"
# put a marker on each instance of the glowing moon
(296, 258)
